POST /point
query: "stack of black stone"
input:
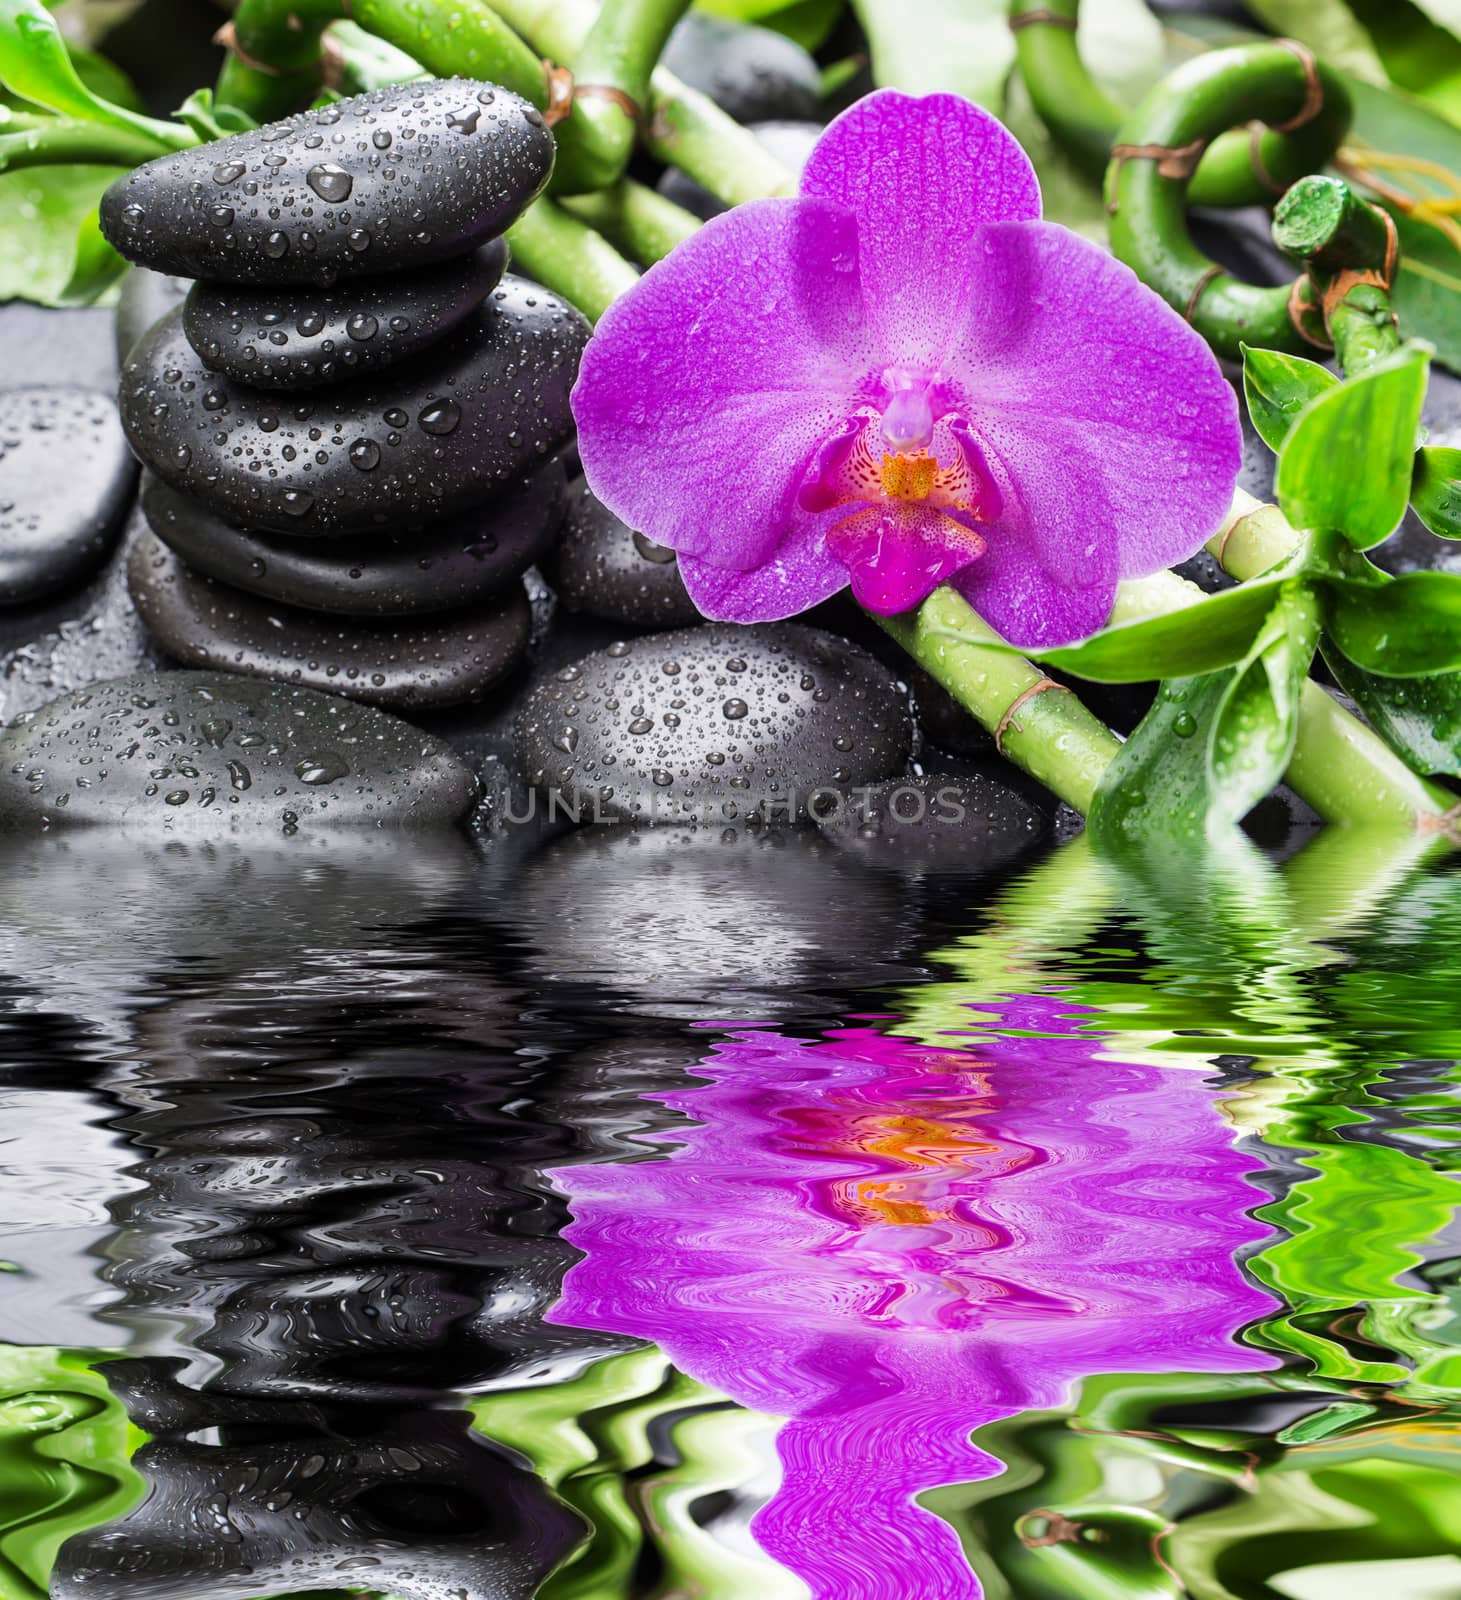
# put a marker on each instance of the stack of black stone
(351, 425)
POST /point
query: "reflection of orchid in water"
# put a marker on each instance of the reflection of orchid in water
(891, 1244)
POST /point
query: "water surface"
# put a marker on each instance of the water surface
(717, 1215)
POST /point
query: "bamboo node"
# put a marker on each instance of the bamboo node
(1007, 721)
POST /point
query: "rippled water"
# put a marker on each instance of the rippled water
(722, 1216)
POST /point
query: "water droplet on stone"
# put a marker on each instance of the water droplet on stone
(321, 769)
(329, 182)
(440, 417)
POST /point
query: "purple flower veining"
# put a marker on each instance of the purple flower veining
(890, 1245)
(903, 378)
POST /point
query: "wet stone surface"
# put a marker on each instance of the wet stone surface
(144, 300)
(713, 723)
(304, 338)
(78, 638)
(1414, 548)
(441, 568)
(66, 479)
(941, 822)
(409, 446)
(203, 753)
(397, 178)
(753, 74)
(414, 663)
(602, 568)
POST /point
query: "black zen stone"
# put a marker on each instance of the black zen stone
(385, 451)
(603, 568)
(752, 74)
(302, 338)
(1414, 548)
(713, 723)
(79, 637)
(145, 299)
(411, 664)
(205, 753)
(939, 822)
(384, 182)
(442, 568)
(66, 480)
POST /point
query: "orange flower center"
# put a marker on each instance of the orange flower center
(909, 476)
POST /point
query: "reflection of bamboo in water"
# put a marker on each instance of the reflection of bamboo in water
(64, 1460)
(593, 1438)
(1352, 1211)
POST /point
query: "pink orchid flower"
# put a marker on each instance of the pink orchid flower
(889, 1244)
(903, 378)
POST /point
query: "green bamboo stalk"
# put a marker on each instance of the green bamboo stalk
(1339, 765)
(633, 218)
(1240, 168)
(1041, 727)
(568, 257)
(685, 129)
(1349, 247)
(1148, 185)
(613, 65)
(275, 56)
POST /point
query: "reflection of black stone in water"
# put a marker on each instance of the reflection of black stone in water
(343, 1221)
(412, 1503)
(367, 1232)
(344, 1238)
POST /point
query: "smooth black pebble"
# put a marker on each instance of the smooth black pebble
(941, 822)
(416, 663)
(1414, 548)
(207, 753)
(389, 450)
(442, 568)
(713, 723)
(306, 337)
(383, 182)
(144, 300)
(79, 637)
(603, 568)
(66, 480)
(753, 74)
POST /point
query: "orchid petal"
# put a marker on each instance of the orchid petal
(1109, 415)
(801, 574)
(1029, 607)
(916, 172)
(710, 384)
